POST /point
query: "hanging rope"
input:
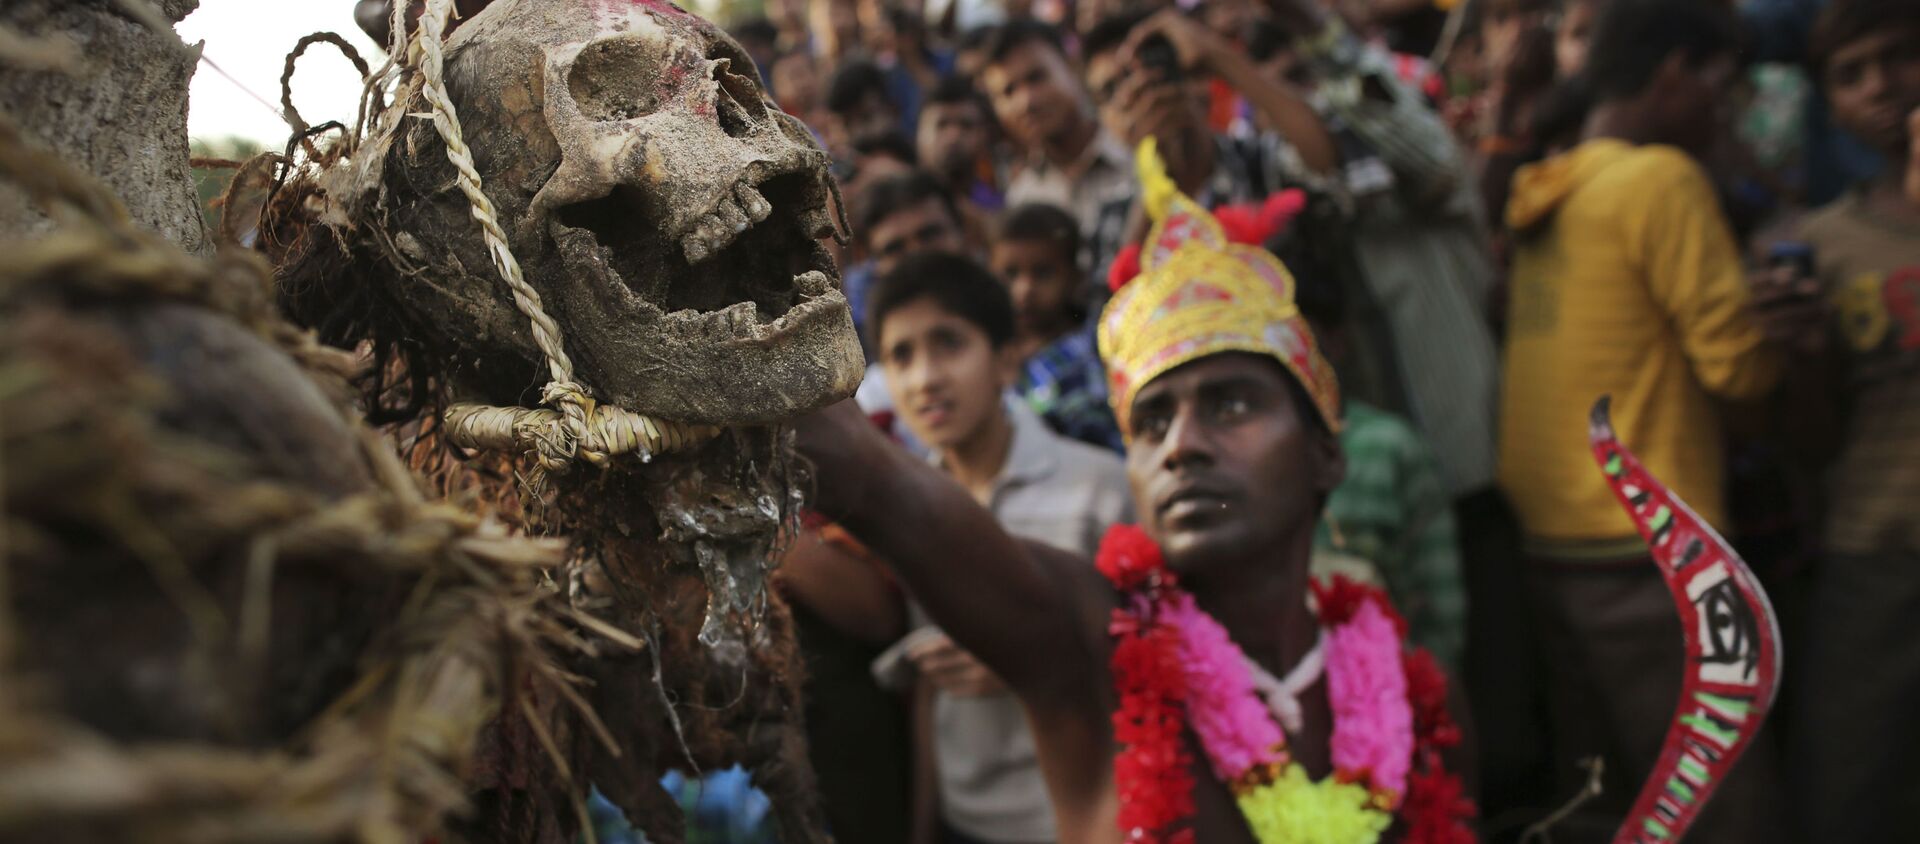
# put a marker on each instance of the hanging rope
(300, 49)
(576, 427)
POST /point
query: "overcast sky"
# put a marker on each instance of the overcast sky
(250, 39)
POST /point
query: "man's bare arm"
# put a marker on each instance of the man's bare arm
(1009, 606)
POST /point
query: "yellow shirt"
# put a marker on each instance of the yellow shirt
(1626, 282)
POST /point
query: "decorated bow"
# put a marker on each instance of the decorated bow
(1732, 644)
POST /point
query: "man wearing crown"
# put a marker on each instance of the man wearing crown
(1194, 684)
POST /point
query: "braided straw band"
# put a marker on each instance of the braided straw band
(577, 427)
(610, 431)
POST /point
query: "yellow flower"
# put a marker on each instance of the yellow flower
(1295, 810)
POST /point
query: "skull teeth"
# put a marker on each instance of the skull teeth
(729, 219)
(695, 246)
(756, 206)
(717, 230)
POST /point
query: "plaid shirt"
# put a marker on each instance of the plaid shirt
(1392, 511)
(1067, 386)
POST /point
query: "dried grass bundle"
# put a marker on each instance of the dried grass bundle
(227, 612)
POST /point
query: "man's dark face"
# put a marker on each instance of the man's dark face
(952, 137)
(1225, 462)
(926, 226)
(1693, 100)
(872, 117)
(1035, 95)
(1874, 83)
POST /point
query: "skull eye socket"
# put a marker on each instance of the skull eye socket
(739, 105)
(617, 79)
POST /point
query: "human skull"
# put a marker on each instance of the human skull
(668, 214)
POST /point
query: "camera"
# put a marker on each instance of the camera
(1156, 53)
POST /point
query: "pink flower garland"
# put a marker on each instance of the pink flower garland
(1367, 686)
(1234, 726)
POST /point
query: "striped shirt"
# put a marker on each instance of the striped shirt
(1392, 512)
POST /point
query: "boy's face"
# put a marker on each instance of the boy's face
(798, 82)
(952, 136)
(872, 117)
(836, 25)
(925, 226)
(1571, 39)
(1874, 84)
(1041, 278)
(944, 374)
(1035, 94)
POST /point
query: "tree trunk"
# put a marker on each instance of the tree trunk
(123, 117)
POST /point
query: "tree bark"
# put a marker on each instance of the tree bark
(123, 117)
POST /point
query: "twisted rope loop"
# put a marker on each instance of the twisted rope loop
(611, 431)
(577, 427)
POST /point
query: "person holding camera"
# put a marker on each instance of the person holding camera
(1148, 73)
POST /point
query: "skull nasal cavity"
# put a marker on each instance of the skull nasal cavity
(616, 79)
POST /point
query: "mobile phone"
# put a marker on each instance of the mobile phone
(1792, 253)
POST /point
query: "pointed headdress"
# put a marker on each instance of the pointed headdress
(1191, 291)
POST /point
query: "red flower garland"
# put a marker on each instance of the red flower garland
(1437, 808)
(1153, 772)
(1129, 558)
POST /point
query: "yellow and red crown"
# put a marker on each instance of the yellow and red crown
(1193, 292)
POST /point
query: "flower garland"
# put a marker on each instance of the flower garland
(1174, 666)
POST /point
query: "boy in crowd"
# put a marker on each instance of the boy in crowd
(893, 218)
(1036, 253)
(1855, 747)
(1061, 155)
(945, 330)
(955, 142)
(1627, 283)
(858, 106)
(795, 74)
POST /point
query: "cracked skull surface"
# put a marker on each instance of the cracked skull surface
(669, 215)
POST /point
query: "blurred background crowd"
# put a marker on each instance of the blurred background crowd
(1495, 211)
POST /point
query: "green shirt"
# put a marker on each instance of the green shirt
(1393, 512)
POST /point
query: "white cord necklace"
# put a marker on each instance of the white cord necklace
(1283, 695)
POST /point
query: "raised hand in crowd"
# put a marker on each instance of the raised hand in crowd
(1199, 53)
(1786, 300)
